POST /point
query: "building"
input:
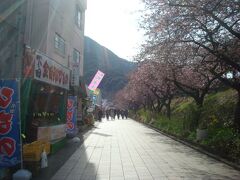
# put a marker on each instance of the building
(41, 52)
(12, 21)
(52, 66)
(12, 25)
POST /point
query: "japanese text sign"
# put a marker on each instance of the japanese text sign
(96, 80)
(49, 71)
(10, 146)
(71, 114)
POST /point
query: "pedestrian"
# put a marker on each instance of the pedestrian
(107, 114)
(100, 113)
(118, 113)
(122, 113)
(115, 113)
(126, 113)
(112, 114)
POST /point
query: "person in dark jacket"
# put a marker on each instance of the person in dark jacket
(122, 113)
(107, 114)
(126, 113)
(100, 114)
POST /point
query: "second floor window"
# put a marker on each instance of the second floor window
(76, 56)
(59, 43)
(78, 17)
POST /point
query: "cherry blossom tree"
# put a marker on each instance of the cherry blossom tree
(210, 28)
(149, 86)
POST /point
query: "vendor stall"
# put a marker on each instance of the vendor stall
(44, 99)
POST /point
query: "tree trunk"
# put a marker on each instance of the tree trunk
(237, 114)
(168, 107)
(199, 101)
(159, 109)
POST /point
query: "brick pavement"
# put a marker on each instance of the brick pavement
(127, 150)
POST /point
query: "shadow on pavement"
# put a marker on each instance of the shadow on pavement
(101, 134)
(57, 160)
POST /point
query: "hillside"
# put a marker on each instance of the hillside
(116, 69)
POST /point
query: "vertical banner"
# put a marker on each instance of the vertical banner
(96, 80)
(71, 114)
(10, 146)
(28, 63)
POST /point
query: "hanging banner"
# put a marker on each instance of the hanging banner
(75, 75)
(28, 63)
(10, 146)
(71, 114)
(96, 80)
(51, 72)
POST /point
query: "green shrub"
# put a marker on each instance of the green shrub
(216, 115)
(224, 140)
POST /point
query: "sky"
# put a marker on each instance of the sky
(114, 24)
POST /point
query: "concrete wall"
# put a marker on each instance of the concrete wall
(37, 24)
(13, 14)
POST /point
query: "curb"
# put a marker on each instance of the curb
(199, 149)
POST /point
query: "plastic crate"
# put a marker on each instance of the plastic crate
(32, 152)
(44, 145)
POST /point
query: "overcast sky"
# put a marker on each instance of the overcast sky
(114, 24)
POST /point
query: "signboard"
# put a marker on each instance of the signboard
(51, 133)
(10, 145)
(96, 80)
(71, 114)
(51, 72)
(75, 74)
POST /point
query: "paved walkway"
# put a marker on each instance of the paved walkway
(125, 149)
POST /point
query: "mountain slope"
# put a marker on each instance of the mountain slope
(97, 57)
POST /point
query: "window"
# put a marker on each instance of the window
(59, 43)
(76, 56)
(78, 17)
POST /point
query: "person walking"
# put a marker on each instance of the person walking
(100, 113)
(112, 114)
(107, 114)
(122, 113)
(118, 113)
(126, 113)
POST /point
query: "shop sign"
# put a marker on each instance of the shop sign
(10, 146)
(51, 72)
(75, 75)
(50, 133)
(71, 114)
(96, 80)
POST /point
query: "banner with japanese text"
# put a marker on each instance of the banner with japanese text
(51, 72)
(71, 114)
(10, 147)
(96, 80)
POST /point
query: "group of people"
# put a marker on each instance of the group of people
(112, 113)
